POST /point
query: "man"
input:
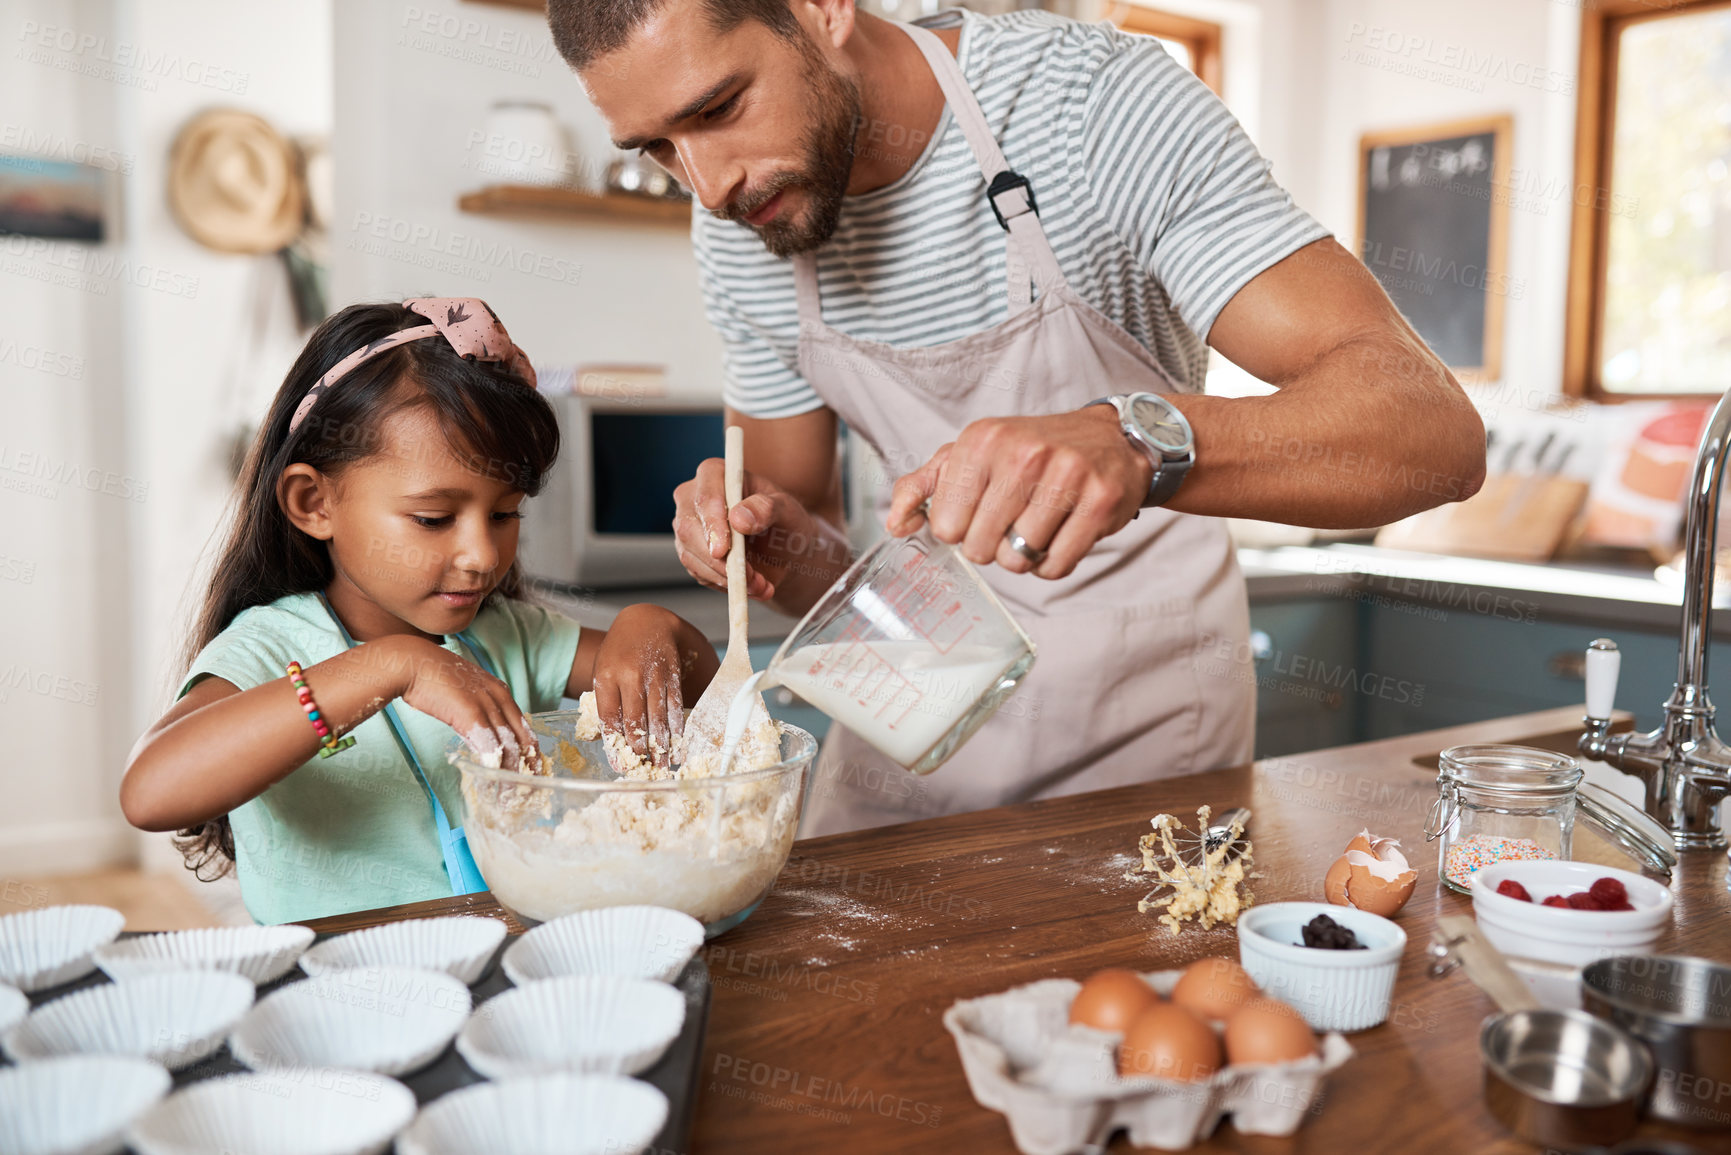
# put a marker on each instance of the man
(955, 240)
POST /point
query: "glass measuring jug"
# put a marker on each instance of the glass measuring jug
(909, 649)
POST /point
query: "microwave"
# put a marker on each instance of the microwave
(605, 516)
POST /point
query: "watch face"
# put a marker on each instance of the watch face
(1161, 422)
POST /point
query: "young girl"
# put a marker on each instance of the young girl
(372, 559)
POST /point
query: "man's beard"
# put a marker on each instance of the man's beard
(829, 149)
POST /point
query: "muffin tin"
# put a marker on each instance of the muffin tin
(1057, 1085)
(673, 1077)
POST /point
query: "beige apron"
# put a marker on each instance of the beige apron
(1135, 677)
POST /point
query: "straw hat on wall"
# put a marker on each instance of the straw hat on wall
(235, 184)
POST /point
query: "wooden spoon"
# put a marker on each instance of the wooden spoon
(707, 721)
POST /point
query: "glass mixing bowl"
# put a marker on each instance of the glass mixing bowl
(585, 837)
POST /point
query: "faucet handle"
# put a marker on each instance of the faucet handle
(1603, 664)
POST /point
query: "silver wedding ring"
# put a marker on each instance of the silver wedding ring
(1021, 546)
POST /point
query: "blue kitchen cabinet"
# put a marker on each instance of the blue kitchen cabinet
(1471, 667)
(1304, 650)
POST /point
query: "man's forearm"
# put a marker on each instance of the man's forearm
(1371, 432)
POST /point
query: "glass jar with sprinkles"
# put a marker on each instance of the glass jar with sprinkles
(1500, 803)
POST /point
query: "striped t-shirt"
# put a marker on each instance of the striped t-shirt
(1158, 206)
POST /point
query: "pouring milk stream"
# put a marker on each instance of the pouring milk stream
(909, 649)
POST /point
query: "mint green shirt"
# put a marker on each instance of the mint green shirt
(355, 831)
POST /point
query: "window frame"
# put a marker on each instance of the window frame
(1602, 25)
(1202, 37)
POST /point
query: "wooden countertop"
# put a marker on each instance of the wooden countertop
(825, 1030)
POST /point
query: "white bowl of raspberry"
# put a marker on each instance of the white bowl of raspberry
(1569, 912)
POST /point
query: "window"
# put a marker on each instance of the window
(1193, 43)
(1650, 276)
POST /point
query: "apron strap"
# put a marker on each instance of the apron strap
(1029, 254)
(460, 868)
(805, 290)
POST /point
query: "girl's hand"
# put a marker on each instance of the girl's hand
(462, 695)
(651, 665)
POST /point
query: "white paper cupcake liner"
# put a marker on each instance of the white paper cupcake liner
(14, 1005)
(261, 953)
(79, 1105)
(459, 945)
(44, 948)
(569, 1114)
(305, 1111)
(174, 1019)
(600, 1024)
(387, 1020)
(645, 942)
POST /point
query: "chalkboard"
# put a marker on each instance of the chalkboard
(1433, 228)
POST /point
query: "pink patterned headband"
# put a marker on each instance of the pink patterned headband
(467, 323)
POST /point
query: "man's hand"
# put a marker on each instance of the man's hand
(1063, 482)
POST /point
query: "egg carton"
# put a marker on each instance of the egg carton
(1058, 1084)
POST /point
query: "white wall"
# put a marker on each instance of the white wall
(415, 82)
(150, 321)
(1318, 74)
(1400, 63)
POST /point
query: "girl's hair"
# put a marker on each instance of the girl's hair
(491, 418)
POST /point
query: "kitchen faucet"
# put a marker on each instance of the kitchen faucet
(1685, 767)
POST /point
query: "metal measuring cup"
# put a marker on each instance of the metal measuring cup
(1556, 1078)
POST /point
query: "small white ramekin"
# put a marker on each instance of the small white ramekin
(1573, 937)
(1335, 990)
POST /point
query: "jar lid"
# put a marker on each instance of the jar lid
(1636, 832)
(1507, 769)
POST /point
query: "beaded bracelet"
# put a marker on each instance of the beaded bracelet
(331, 742)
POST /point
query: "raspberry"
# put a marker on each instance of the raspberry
(1513, 889)
(1584, 900)
(1609, 892)
(1557, 900)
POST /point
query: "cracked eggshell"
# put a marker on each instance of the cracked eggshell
(1372, 875)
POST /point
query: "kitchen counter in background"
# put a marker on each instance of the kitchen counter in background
(1353, 643)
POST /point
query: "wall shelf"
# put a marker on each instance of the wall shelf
(572, 204)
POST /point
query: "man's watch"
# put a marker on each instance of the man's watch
(1156, 427)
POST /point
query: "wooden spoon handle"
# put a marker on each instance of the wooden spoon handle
(737, 604)
(1485, 965)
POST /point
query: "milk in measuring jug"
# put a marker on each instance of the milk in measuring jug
(902, 697)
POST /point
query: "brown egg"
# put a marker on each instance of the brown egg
(1334, 882)
(1371, 874)
(1214, 988)
(1168, 1042)
(1268, 1031)
(1111, 999)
